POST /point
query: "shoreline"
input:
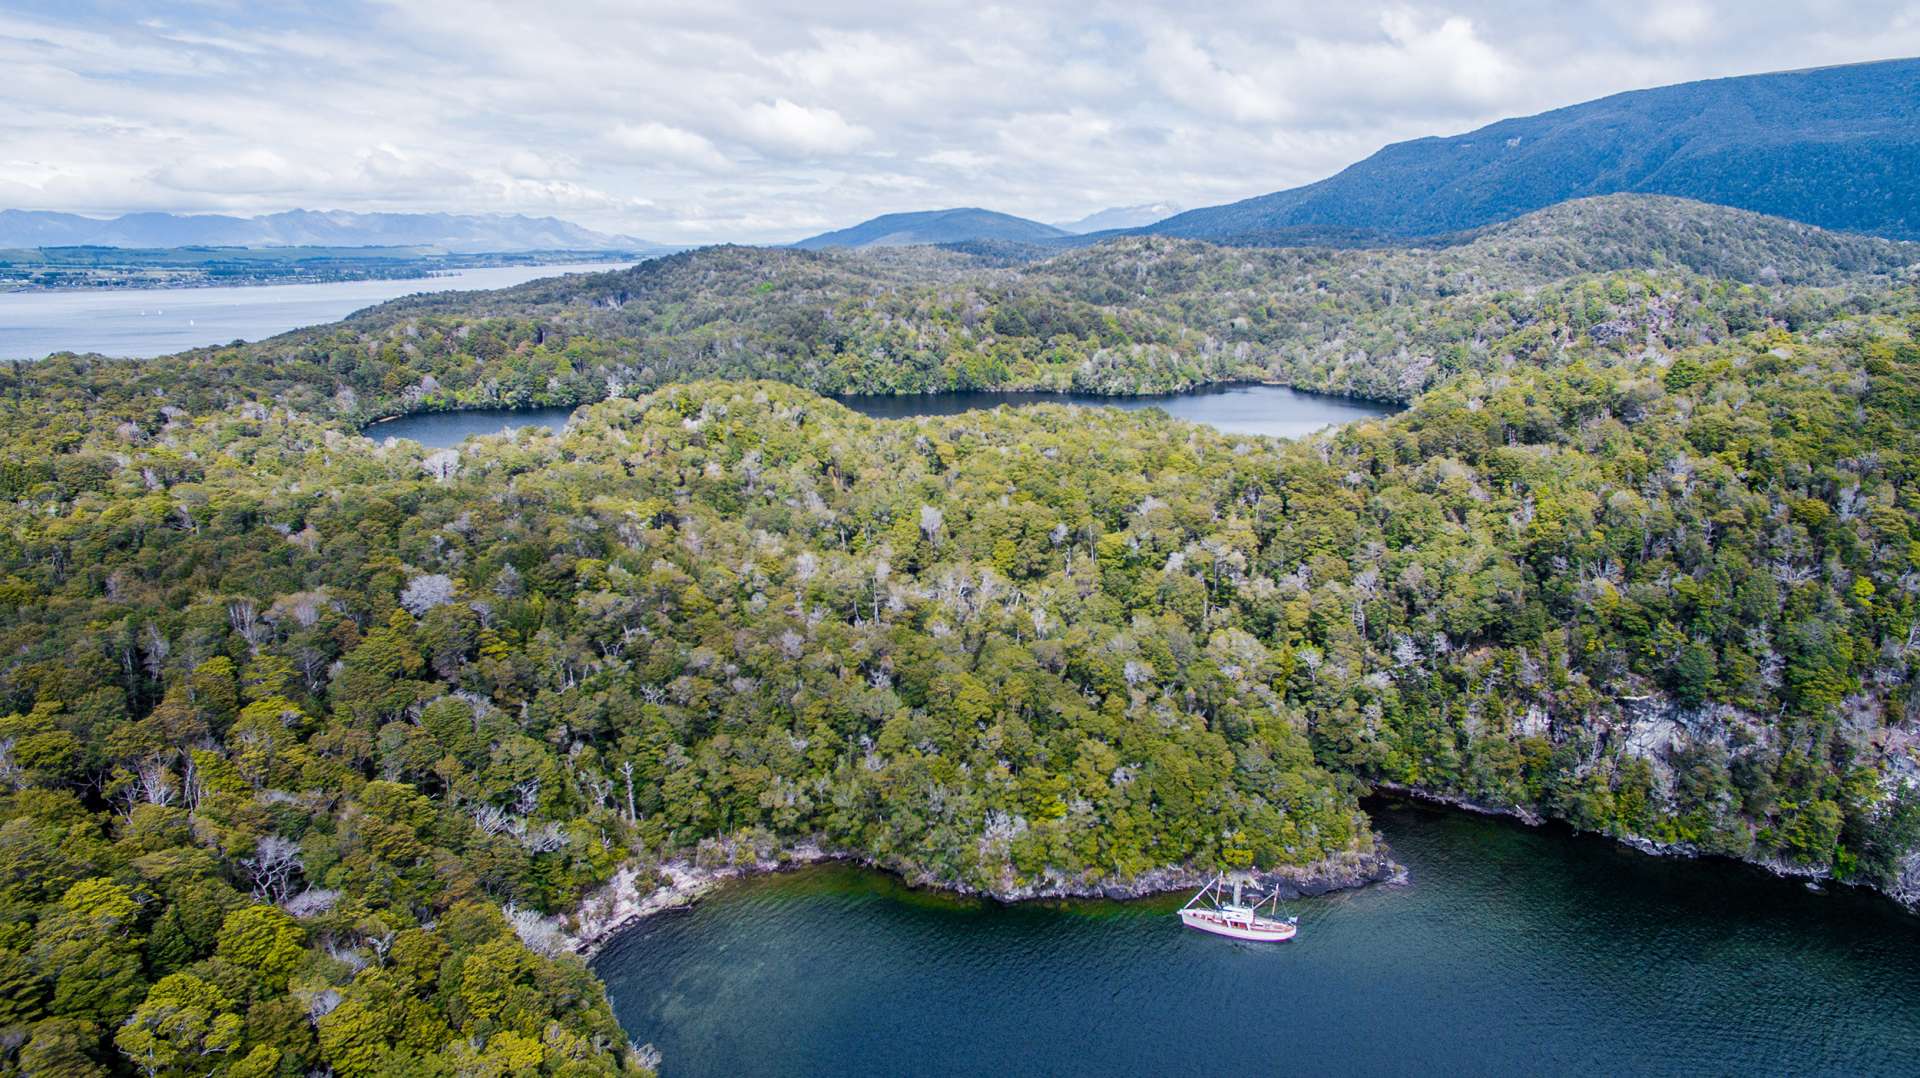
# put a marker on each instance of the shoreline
(1814, 877)
(640, 890)
(1465, 804)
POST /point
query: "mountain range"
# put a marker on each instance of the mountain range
(319, 228)
(1837, 147)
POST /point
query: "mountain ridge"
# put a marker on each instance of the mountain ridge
(961, 224)
(1838, 147)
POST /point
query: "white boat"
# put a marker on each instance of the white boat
(1209, 911)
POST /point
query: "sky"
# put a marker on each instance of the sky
(698, 121)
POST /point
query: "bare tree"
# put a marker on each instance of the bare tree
(272, 868)
(156, 781)
(423, 593)
(443, 465)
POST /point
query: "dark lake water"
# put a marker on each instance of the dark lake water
(438, 430)
(1511, 951)
(1276, 411)
(1237, 409)
(148, 322)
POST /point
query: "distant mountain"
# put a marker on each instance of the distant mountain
(317, 228)
(1120, 217)
(934, 226)
(1837, 147)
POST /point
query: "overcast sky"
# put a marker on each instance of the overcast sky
(706, 120)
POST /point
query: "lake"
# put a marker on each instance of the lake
(440, 430)
(148, 322)
(1236, 409)
(1510, 951)
(1240, 408)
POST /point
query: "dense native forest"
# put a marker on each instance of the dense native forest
(304, 733)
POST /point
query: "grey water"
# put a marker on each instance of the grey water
(1275, 411)
(443, 430)
(1508, 951)
(1240, 408)
(147, 322)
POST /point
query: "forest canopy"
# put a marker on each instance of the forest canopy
(304, 734)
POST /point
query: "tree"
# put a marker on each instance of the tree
(183, 1022)
(264, 940)
(423, 593)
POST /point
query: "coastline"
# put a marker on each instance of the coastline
(1466, 804)
(1815, 877)
(639, 890)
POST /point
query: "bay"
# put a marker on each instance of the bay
(1509, 951)
(147, 322)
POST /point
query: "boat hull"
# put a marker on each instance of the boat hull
(1260, 930)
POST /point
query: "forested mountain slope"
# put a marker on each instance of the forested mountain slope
(299, 730)
(1837, 147)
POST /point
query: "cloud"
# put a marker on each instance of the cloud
(661, 142)
(1677, 22)
(1186, 72)
(784, 129)
(762, 120)
(243, 173)
(961, 159)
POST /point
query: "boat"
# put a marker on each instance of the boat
(1210, 911)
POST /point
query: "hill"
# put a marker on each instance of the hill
(1837, 147)
(934, 226)
(310, 228)
(1131, 315)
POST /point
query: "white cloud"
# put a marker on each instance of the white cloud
(960, 159)
(783, 129)
(1188, 73)
(241, 173)
(662, 142)
(764, 120)
(1676, 21)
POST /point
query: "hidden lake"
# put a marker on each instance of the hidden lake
(1509, 950)
(1235, 408)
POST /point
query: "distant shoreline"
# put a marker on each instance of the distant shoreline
(73, 270)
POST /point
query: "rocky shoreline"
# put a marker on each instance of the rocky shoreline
(1466, 804)
(1907, 894)
(641, 890)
